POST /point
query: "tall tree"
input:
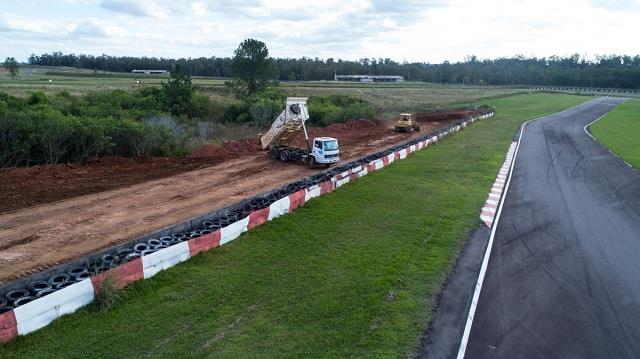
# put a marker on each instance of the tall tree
(252, 69)
(177, 92)
(12, 65)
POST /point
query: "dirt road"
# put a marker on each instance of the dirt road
(39, 237)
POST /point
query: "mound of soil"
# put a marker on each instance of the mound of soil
(210, 151)
(249, 145)
(348, 132)
(444, 116)
(29, 186)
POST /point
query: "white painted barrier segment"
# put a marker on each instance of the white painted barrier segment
(37, 314)
(312, 192)
(378, 164)
(412, 148)
(164, 258)
(279, 207)
(342, 182)
(391, 157)
(488, 212)
(402, 153)
(363, 172)
(234, 230)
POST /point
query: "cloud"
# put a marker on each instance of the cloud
(415, 30)
(95, 29)
(199, 8)
(123, 6)
(139, 8)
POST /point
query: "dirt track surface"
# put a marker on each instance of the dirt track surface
(39, 237)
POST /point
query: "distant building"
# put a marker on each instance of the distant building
(368, 78)
(150, 72)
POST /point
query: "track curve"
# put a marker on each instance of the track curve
(562, 280)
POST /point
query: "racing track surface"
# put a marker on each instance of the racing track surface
(563, 280)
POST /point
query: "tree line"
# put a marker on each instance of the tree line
(617, 71)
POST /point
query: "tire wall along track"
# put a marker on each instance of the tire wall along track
(33, 302)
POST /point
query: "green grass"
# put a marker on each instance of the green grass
(352, 274)
(619, 130)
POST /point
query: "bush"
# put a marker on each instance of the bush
(63, 128)
(325, 110)
(237, 112)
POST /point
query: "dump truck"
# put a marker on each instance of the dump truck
(406, 123)
(320, 151)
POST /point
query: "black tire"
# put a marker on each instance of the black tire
(312, 161)
(295, 108)
(283, 156)
(274, 153)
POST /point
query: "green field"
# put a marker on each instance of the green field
(619, 130)
(389, 99)
(352, 274)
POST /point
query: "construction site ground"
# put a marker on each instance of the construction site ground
(54, 214)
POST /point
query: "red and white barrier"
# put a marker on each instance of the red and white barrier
(40, 312)
(488, 213)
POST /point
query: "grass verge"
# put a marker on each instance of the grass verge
(619, 131)
(350, 274)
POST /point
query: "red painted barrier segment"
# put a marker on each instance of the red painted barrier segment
(122, 275)
(326, 187)
(296, 199)
(206, 242)
(8, 326)
(258, 218)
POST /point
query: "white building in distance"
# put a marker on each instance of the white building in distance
(368, 78)
(150, 72)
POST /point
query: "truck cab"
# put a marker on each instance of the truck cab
(325, 150)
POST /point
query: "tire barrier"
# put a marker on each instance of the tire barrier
(38, 302)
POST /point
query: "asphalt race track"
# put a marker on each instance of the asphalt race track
(563, 280)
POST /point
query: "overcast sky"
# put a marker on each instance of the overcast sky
(428, 30)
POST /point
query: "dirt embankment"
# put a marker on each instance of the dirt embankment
(109, 201)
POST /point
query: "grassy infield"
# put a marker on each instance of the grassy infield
(619, 131)
(351, 274)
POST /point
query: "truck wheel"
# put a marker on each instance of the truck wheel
(273, 153)
(312, 161)
(283, 156)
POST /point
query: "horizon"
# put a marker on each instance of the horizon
(449, 30)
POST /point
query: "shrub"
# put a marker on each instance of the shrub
(325, 110)
(64, 128)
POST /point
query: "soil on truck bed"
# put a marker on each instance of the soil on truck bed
(140, 199)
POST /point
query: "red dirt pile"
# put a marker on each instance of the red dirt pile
(248, 145)
(28, 186)
(210, 151)
(444, 116)
(346, 133)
